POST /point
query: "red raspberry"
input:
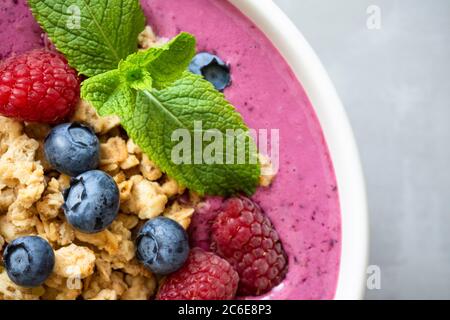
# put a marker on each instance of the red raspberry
(246, 238)
(38, 86)
(204, 276)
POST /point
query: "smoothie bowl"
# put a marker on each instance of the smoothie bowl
(172, 150)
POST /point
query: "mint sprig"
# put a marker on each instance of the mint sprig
(151, 115)
(164, 64)
(153, 94)
(94, 36)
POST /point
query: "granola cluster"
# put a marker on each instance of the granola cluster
(99, 266)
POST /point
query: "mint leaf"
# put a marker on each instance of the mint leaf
(135, 76)
(167, 63)
(93, 35)
(151, 116)
(108, 93)
(140, 70)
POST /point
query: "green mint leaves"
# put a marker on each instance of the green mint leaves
(179, 119)
(164, 64)
(93, 35)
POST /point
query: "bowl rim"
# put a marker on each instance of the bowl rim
(338, 134)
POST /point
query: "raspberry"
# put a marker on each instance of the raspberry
(38, 86)
(204, 276)
(245, 237)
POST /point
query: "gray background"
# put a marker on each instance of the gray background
(394, 83)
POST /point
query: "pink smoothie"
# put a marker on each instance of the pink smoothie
(303, 201)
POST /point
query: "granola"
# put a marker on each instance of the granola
(31, 199)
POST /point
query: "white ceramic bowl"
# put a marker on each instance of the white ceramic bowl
(338, 134)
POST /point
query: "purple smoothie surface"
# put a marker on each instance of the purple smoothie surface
(303, 201)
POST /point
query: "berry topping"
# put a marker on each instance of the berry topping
(29, 261)
(38, 86)
(92, 201)
(72, 148)
(204, 276)
(162, 245)
(212, 68)
(246, 238)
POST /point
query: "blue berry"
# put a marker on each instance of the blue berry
(72, 148)
(162, 245)
(29, 261)
(212, 68)
(92, 202)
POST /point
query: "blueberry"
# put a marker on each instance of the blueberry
(162, 245)
(29, 261)
(212, 68)
(72, 148)
(92, 202)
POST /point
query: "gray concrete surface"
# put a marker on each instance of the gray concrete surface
(395, 85)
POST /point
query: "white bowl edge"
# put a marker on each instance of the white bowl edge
(338, 134)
